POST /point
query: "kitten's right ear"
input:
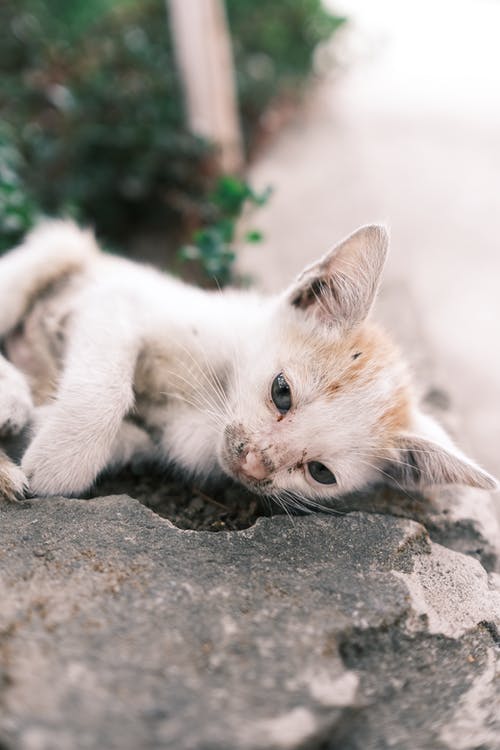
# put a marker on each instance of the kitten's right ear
(340, 288)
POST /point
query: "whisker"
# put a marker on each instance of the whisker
(199, 404)
(277, 498)
(213, 416)
(199, 395)
(309, 504)
(400, 487)
(218, 387)
(212, 382)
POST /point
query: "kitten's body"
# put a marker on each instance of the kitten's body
(123, 360)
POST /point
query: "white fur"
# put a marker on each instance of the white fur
(195, 368)
(13, 483)
(51, 247)
(16, 405)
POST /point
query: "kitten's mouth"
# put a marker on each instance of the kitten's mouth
(259, 486)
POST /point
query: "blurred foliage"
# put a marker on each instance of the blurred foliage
(17, 210)
(92, 99)
(91, 93)
(273, 47)
(213, 246)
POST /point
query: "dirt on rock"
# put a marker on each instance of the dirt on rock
(221, 507)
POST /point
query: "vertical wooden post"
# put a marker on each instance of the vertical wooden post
(204, 56)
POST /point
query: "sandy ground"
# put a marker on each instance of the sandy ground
(406, 131)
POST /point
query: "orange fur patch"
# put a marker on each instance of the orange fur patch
(396, 418)
(333, 388)
(374, 351)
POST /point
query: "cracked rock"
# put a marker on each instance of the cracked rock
(119, 630)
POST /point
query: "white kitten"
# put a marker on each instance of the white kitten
(290, 394)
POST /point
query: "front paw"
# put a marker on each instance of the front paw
(13, 482)
(16, 409)
(55, 468)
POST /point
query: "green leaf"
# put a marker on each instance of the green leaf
(254, 236)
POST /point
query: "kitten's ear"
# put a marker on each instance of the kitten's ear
(340, 288)
(420, 461)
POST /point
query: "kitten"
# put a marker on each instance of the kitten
(297, 394)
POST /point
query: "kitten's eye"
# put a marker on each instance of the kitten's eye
(320, 473)
(281, 394)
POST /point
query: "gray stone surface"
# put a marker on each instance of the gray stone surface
(118, 630)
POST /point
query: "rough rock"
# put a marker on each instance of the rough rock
(118, 630)
(374, 626)
(460, 518)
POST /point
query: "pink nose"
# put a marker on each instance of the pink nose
(253, 466)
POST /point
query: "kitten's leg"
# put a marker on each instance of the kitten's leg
(51, 251)
(16, 406)
(76, 436)
(13, 483)
(131, 442)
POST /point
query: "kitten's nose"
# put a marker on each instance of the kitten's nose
(253, 466)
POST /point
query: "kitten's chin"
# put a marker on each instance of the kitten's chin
(257, 486)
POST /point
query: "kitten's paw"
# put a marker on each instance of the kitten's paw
(16, 406)
(43, 476)
(13, 482)
(52, 470)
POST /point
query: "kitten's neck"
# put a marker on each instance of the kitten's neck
(200, 358)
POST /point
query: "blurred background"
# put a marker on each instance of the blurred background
(165, 124)
(109, 113)
(405, 129)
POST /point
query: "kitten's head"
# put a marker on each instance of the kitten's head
(322, 404)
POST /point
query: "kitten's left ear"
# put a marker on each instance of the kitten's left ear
(432, 459)
(340, 288)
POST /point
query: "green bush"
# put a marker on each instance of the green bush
(212, 247)
(91, 95)
(273, 47)
(17, 210)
